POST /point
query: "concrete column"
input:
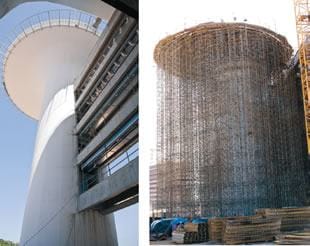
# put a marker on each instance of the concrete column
(89, 226)
(51, 201)
(51, 212)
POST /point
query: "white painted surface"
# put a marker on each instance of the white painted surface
(51, 200)
(43, 63)
(39, 77)
(59, 109)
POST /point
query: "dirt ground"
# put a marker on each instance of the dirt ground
(169, 242)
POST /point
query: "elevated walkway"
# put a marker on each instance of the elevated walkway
(114, 192)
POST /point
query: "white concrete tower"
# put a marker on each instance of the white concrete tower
(41, 62)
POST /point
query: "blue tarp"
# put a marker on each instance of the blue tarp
(200, 220)
(163, 227)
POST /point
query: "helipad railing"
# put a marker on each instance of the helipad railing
(61, 17)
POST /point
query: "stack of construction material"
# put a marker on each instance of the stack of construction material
(293, 219)
(215, 229)
(191, 233)
(182, 237)
(294, 238)
(250, 229)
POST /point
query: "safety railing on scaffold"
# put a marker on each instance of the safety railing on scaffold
(51, 18)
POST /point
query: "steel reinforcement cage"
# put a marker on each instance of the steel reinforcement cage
(230, 131)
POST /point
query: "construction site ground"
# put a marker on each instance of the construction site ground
(170, 242)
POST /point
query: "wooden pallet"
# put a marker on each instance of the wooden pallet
(215, 229)
(250, 229)
(191, 233)
(190, 227)
(293, 219)
(185, 237)
(294, 238)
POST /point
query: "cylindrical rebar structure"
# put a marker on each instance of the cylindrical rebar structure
(230, 122)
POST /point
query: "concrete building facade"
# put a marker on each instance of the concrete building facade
(107, 119)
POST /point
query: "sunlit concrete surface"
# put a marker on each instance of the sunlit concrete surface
(38, 76)
(111, 186)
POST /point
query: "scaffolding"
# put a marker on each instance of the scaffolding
(230, 125)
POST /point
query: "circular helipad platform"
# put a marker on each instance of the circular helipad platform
(45, 61)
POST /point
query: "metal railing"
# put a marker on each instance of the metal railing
(51, 18)
(110, 168)
(91, 129)
(114, 31)
(106, 76)
(119, 162)
(120, 133)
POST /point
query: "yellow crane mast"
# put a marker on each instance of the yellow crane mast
(303, 33)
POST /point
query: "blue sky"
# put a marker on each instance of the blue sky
(17, 138)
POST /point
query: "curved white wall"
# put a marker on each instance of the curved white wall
(39, 76)
(50, 215)
(51, 200)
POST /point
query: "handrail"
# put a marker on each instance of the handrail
(111, 168)
(91, 125)
(50, 18)
(108, 142)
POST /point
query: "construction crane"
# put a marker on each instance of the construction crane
(302, 15)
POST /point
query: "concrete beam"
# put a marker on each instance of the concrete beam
(127, 63)
(110, 33)
(102, 40)
(90, 116)
(127, 109)
(130, 7)
(109, 207)
(122, 181)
